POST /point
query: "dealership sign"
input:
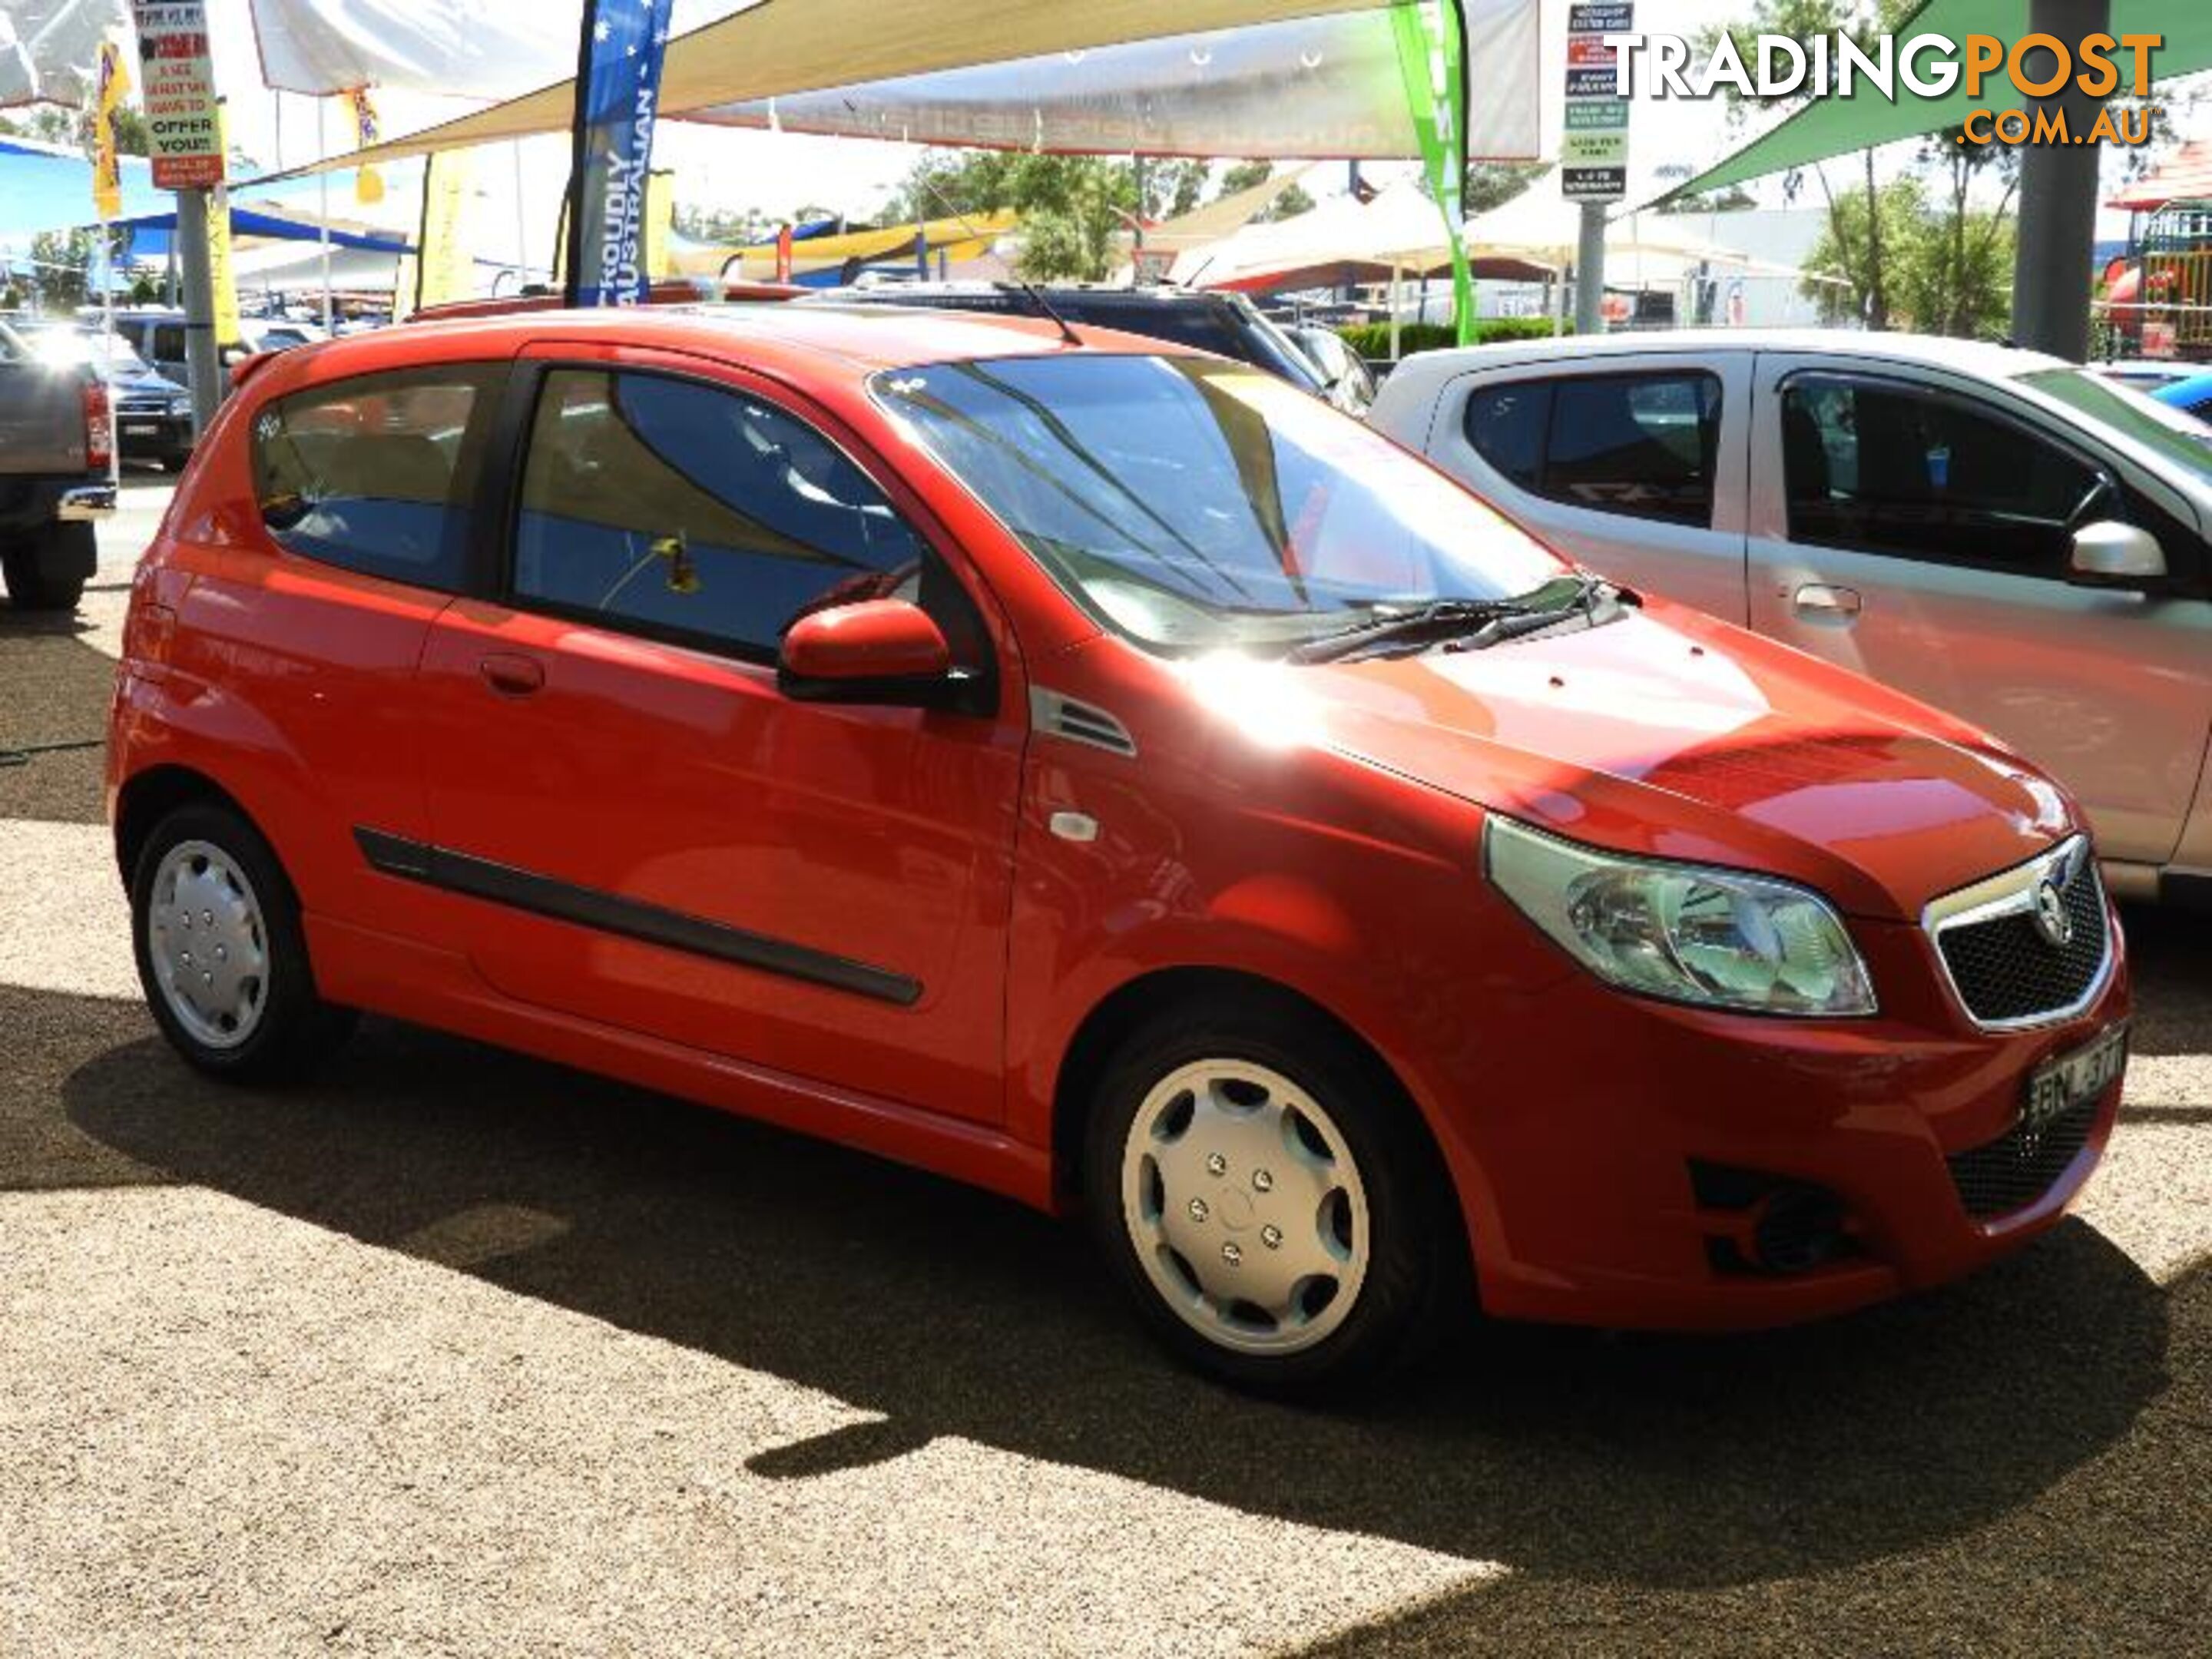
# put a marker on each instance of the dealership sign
(177, 83)
(1593, 147)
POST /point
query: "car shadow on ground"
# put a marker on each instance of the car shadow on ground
(1639, 1462)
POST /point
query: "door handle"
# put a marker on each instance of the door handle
(1836, 601)
(512, 675)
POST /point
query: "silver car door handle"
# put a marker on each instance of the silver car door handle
(1818, 596)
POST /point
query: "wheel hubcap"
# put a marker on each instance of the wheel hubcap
(206, 941)
(1242, 1199)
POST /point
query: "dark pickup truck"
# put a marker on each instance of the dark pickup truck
(57, 460)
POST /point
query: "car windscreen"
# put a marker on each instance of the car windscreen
(2177, 438)
(1193, 505)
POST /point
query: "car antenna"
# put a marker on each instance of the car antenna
(1023, 283)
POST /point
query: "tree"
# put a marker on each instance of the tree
(1956, 277)
(1802, 19)
(720, 225)
(1951, 269)
(53, 125)
(1174, 188)
(1244, 175)
(1289, 202)
(1492, 184)
(1071, 207)
(946, 184)
(1734, 199)
(61, 267)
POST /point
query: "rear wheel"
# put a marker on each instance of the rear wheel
(221, 953)
(1262, 1189)
(33, 568)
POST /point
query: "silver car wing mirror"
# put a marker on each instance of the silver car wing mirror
(2110, 553)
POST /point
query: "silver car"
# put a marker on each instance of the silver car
(2004, 535)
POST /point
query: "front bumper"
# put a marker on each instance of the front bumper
(1588, 1162)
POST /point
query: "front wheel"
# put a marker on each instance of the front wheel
(220, 952)
(1265, 1192)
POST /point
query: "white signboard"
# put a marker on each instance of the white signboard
(176, 82)
(1594, 143)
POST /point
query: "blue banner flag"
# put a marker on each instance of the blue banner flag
(618, 98)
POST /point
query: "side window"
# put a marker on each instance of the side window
(1883, 467)
(1641, 445)
(1506, 423)
(376, 473)
(667, 506)
(168, 343)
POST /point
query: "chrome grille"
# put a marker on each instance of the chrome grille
(2030, 945)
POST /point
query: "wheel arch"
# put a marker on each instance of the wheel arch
(148, 797)
(1125, 1009)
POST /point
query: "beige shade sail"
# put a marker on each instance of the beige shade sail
(782, 46)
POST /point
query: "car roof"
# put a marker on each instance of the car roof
(1090, 293)
(1969, 356)
(857, 338)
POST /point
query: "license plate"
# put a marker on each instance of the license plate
(2061, 1084)
(141, 430)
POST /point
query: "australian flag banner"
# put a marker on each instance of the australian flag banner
(617, 99)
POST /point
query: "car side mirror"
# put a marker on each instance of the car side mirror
(882, 651)
(2110, 553)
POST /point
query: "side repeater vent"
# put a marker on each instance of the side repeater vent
(1078, 722)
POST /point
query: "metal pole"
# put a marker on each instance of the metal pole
(522, 218)
(205, 369)
(2057, 197)
(323, 231)
(1589, 271)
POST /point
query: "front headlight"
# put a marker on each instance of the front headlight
(181, 404)
(1686, 931)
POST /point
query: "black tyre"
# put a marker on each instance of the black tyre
(173, 460)
(221, 953)
(1265, 1192)
(33, 570)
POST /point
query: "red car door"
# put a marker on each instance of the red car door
(645, 831)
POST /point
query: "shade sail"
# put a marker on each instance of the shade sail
(1309, 87)
(469, 48)
(780, 48)
(1401, 230)
(1829, 127)
(47, 48)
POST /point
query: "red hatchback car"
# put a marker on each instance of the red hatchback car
(1110, 776)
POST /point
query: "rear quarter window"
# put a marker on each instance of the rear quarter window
(378, 473)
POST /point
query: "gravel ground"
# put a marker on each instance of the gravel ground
(457, 1353)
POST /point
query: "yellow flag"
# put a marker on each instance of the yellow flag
(227, 330)
(107, 171)
(445, 271)
(367, 182)
(660, 222)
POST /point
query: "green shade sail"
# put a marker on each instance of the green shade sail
(1829, 127)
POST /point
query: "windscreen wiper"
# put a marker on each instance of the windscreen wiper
(1484, 620)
